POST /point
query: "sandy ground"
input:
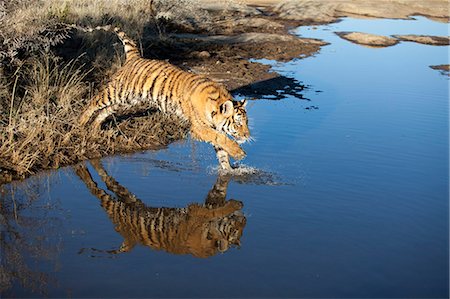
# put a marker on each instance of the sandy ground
(327, 10)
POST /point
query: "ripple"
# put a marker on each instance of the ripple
(244, 174)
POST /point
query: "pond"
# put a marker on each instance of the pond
(344, 193)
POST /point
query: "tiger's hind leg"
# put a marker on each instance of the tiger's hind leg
(102, 115)
(99, 119)
(103, 103)
(87, 114)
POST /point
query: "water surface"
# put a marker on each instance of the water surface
(349, 196)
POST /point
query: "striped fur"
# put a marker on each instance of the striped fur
(199, 230)
(207, 105)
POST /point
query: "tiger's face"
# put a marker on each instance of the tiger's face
(231, 229)
(216, 234)
(231, 118)
(222, 112)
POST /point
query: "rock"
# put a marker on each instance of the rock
(201, 55)
(366, 39)
(425, 39)
(443, 68)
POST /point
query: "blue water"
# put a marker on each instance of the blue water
(349, 200)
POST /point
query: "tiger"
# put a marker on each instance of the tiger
(206, 105)
(199, 230)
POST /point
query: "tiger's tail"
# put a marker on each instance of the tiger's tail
(130, 47)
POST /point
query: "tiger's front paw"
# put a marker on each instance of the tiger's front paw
(238, 153)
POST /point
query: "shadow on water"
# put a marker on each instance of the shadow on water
(201, 230)
(277, 88)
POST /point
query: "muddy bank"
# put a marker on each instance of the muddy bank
(226, 58)
(143, 130)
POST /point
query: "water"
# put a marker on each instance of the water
(343, 195)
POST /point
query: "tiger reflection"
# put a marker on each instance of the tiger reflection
(200, 230)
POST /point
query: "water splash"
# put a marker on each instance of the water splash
(244, 174)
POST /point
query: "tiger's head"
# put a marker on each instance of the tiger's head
(227, 115)
(210, 234)
(234, 121)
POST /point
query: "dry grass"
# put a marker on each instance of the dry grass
(37, 124)
(37, 24)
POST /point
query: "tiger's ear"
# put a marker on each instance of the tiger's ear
(226, 108)
(244, 103)
(214, 95)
